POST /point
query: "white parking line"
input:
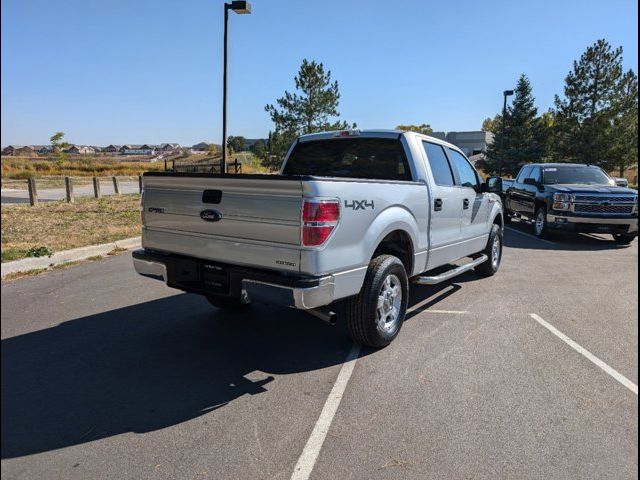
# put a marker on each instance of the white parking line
(529, 235)
(590, 356)
(311, 450)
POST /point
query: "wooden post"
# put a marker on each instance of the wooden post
(116, 185)
(140, 183)
(96, 187)
(33, 193)
(68, 184)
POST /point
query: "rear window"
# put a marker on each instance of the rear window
(374, 158)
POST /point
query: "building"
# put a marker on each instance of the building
(113, 149)
(168, 147)
(471, 143)
(200, 147)
(143, 149)
(80, 150)
(18, 150)
(43, 149)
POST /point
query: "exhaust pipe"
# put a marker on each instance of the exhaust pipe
(324, 315)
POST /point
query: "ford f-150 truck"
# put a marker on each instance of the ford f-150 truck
(350, 220)
(572, 197)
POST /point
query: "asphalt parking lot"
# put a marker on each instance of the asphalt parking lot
(106, 374)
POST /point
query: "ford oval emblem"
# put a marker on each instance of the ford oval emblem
(210, 215)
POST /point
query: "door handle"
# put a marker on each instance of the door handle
(465, 204)
(437, 204)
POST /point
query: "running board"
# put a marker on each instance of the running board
(443, 277)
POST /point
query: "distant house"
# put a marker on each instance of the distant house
(18, 150)
(168, 147)
(202, 147)
(96, 149)
(112, 149)
(43, 149)
(80, 150)
(9, 150)
(143, 149)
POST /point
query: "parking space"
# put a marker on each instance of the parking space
(106, 374)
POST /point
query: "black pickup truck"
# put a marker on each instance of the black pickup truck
(574, 198)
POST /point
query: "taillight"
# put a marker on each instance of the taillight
(319, 218)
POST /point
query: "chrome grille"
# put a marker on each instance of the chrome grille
(614, 209)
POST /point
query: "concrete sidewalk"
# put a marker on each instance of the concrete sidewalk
(73, 255)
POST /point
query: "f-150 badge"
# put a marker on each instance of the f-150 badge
(359, 204)
(210, 215)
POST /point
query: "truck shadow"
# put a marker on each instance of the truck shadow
(149, 366)
(519, 235)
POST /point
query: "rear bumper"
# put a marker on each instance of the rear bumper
(215, 278)
(626, 225)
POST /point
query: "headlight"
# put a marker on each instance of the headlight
(562, 201)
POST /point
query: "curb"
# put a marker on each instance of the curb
(73, 255)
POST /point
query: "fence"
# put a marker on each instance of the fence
(63, 187)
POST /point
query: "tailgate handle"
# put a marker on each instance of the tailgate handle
(211, 196)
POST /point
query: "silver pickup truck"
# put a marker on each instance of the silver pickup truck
(351, 219)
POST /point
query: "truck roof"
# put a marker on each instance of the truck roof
(558, 164)
(372, 133)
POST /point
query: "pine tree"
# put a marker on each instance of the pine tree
(517, 141)
(593, 121)
(308, 110)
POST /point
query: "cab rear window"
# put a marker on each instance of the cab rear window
(367, 158)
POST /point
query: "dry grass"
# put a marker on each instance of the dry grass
(22, 168)
(60, 226)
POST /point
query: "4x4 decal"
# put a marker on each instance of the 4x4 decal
(359, 204)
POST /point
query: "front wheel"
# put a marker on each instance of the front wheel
(540, 224)
(374, 316)
(493, 250)
(623, 239)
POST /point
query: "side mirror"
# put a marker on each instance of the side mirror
(530, 181)
(493, 185)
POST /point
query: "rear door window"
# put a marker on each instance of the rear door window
(439, 163)
(368, 158)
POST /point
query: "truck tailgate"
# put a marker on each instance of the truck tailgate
(252, 220)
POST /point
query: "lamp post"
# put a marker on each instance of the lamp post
(506, 93)
(240, 7)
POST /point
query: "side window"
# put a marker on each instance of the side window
(439, 163)
(467, 174)
(524, 173)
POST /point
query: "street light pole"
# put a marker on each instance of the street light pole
(240, 7)
(506, 93)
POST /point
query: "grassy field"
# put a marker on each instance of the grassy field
(22, 168)
(55, 226)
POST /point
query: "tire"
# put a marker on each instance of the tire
(493, 250)
(622, 239)
(227, 303)
(540, 227)
(507, 218)
(385, 275)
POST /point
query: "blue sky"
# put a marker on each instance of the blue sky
(150, 71)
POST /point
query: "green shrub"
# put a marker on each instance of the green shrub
(39, 252)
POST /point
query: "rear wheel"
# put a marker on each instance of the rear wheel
(493, 250)
(374, 316)
(622, 239)
(227, 303)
